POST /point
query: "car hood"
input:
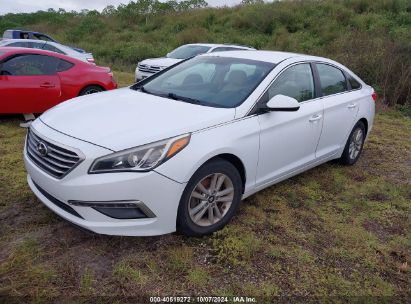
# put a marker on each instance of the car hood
(125, 118)
(162, 62)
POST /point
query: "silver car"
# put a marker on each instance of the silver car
(48, 46)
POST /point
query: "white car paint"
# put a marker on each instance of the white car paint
(50, 46)
(150, 66)
(128, 129)
(271, 146)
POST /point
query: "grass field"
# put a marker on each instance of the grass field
(332, 231)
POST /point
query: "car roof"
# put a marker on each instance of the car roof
(6, 50)
(264, 56)
(212, 45)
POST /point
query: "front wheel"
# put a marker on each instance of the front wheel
(354, 145)
(210, 199)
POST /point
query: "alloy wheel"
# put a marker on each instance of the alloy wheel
(211, 199)
(356, 143)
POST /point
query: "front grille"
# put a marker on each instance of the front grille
(50, 157)
(149, 68)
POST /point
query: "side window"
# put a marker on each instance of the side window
(219, 49)
(332, 79)
(225, 49)
(234, 49)
(24, 35)
(51, 48)
(354, 83)
(64, 65)
(36, 45)
(19, 44)
(29, 65)
(296, 82)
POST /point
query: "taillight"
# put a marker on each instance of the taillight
(374, 96)
(112, 77)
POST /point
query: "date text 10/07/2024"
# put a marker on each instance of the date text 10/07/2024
(201, 299)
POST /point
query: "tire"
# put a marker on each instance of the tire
(91, 90)
(354, 145)
(217, 171)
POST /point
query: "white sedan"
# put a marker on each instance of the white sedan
(49, 46)
(181, 149)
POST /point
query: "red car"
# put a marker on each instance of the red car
(32, 81)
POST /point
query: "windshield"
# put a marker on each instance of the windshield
(210, 81)
(187, 51)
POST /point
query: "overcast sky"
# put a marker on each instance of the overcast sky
(25, 6)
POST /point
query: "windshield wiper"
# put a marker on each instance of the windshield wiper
(183, 98)
(169, 95)
(140, 88)
(144, 90)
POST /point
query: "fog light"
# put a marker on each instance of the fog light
(118, 209)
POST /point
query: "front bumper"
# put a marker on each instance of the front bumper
(112, 85)
(139, 75)
(159, 194)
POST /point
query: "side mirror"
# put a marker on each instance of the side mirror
(168, 54)
(282, 103)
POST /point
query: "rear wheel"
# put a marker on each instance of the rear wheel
(210, 199)
(354, 145)
(91, 90)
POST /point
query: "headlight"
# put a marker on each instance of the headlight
(142, 158)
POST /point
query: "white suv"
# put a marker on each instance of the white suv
(151, 66)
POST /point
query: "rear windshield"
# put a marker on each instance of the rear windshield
(8, 35)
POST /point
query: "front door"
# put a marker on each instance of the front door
(29, 84)
(288, 140)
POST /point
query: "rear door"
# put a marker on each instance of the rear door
(340, 109)
(29, 84)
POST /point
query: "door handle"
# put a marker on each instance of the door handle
(47, 85)
(352, 106)
(315, 117)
